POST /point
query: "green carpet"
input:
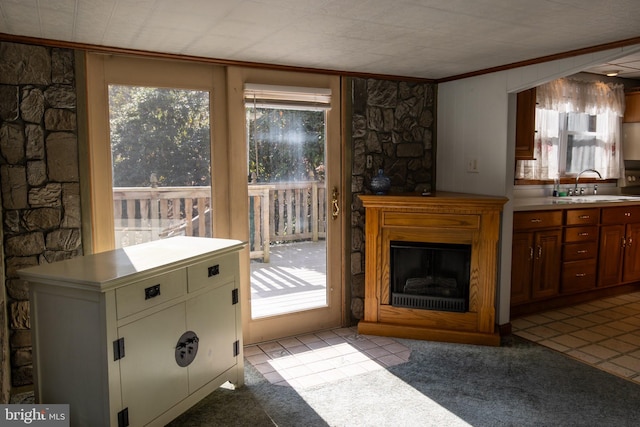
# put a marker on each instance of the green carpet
(517, 384)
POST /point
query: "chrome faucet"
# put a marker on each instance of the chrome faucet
(575, 191)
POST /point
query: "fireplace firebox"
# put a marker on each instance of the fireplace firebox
(431, 266)
(430, 276)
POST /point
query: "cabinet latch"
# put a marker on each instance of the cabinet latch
(123, 418)
(234, 296)
(118, 349)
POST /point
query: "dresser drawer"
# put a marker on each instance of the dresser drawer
(578, 275)
(581, 234)
(621, 215)
(144, 294)
(582, 216)
(536, 219)
(578, 251)
(214, 272)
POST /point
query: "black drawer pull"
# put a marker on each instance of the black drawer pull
(214, 270)
(152, 291)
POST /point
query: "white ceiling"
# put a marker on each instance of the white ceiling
(412, 38)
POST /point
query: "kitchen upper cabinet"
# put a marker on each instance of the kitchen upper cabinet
(632, 107)
(525, 124)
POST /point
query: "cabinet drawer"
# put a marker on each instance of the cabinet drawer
(578, 251)
(578, 275)
(214, 272)
(536, 219)
(582, 216)
(581, 234)
(621, 215)
(147, 293)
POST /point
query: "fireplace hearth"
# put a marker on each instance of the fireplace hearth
(431, 266)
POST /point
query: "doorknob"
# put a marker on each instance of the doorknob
(335, 209)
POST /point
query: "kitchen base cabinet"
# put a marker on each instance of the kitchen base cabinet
(619, 253)
(580, 250)
(138, 335)
(536, 255)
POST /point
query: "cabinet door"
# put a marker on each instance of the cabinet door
(521, 263)
(212, 316)
(632, 253)
(151, 379)
(610, 258)
(579, 275)
(546, 263)
(632, 108)
(525, 124)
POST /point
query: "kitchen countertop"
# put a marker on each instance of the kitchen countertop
(549, 203)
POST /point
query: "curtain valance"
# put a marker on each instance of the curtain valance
(575, 96)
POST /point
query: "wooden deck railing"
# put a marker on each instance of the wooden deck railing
(143, 214)
(292, 211)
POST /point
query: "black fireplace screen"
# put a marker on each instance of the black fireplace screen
(430, 276)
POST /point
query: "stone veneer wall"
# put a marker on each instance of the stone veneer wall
(39, 177)
(393, 122)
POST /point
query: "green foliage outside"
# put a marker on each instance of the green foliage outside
(165, 132)
(285, 144)
(159, 131)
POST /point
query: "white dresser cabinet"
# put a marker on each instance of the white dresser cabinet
(138, 335)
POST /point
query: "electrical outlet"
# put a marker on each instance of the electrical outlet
(472, 166)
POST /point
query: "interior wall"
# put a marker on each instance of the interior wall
(476, 122)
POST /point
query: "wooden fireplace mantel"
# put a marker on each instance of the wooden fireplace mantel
(442, 217)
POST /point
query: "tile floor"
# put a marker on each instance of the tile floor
(323, 357)
(603, 333)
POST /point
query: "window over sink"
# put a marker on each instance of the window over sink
(577, 127)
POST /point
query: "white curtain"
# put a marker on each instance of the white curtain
(563, 107)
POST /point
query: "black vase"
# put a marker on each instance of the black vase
(380, 183)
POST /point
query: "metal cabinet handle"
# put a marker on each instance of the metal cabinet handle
(583, 234)
(214, 270)
(539, 252)
(186, 348)
(584, 216)
(582, 251)
(531, 253)
(152, 291)
(535, 220)
(335, 209)
(581, 274)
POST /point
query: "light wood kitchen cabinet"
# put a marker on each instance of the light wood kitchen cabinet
(619, 260)
(138, 335)
(536, 255)
(580, 250)
(632, 107)
(525, 124)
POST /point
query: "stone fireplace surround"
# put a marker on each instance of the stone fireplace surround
(442, 217)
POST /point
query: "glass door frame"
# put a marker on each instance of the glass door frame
(102, 70)
(270, 328)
